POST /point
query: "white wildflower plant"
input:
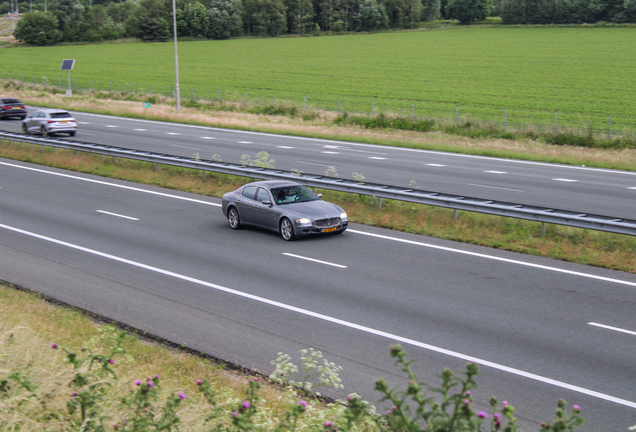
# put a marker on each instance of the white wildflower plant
(315, 368)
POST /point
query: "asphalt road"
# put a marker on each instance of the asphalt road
(581, 189)
(167, 262)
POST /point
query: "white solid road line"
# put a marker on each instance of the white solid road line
(613, 328)
(314, 260)
(496, 187)
(112, 184)
(115, 214)
(333, 320)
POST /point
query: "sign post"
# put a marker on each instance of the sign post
(67, 65)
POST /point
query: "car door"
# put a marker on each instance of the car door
(264, 214)
(33, 123)
(245, 205)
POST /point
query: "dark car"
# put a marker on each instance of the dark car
(12, 107)
(49, 122)
(285, 207)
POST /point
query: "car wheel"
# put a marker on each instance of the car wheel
(25, 130)
(71, 134)
(43, 131)
(286, 230)
(233, 218)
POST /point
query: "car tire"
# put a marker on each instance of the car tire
(71, 134)
(43, 131)
(25, 130)
(22, 118)
(233, 218)
(286, 230)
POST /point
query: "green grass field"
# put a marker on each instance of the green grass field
(583, 73)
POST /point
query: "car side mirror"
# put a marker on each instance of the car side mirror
(319, 196)
(267, 202)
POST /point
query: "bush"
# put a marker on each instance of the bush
(38, 28)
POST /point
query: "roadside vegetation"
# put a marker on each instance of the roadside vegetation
(60, 370)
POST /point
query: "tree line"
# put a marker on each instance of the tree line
(55, 21)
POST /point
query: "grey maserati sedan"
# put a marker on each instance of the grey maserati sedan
(285, 207)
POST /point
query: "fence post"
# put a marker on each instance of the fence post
(609, 127)
(128, 87)
(556, 123)
(456, 115)
(219, 95)
(110, 86)
(34, 82)
(91, 86)
(193, 98)
(338, 106)
(59, 84)
(75, 84)
(372, 107)
(305, 101)
(149, 88)
(9, 74)
(413, 111)
(505, 119)
(274, 98)
(245, 98)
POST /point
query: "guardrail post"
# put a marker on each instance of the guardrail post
(379, 202)
(543, 228)
(202, 174)
(455, 213)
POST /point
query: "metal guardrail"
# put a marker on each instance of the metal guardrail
(457, 202)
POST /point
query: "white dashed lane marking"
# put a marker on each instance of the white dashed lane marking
(377, 158)
(633, 333)
(565, 180)
(208, 138)
(245, 142)
(111, 126)
(115, 214)
(285, 147)
(436, 165)
(140, 130)
(173, 133)
(314, 260)
(330, 152)
(496, 172)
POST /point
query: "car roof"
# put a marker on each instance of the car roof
(274, 183)
(53, 110)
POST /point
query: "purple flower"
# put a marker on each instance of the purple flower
(256, 379)
(576, 408)
(111, 361)
(54, 345)
(151, 384)
(234, 414)
(74, 394)
(497, 416)
(246, 404)
(394, 408)
(138, 382)
(328, 424)
(482, 414)
(303, 403)
(497, 424)
(466, 401)
(388, 412)
(504, 403)
(468, 393)
(182, 395)
(157, 376)
(199, 382)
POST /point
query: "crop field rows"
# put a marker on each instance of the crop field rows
(544, 76)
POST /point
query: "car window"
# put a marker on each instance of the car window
(293, 194)
(60, 115)
(249, 191)
(9, 100)
(262, 195)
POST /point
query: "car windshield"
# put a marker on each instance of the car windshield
(293, 194)
(60, 115)
(9, 101)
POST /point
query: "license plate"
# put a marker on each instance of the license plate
(63, 122)
(329, 229)
(16, 107)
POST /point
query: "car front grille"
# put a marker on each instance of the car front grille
(327, 222)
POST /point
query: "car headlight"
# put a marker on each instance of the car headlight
(303, 221)
(343, 215)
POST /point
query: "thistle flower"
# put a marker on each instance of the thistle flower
(246, 404)
(54, 345)
(182, 395)
(138, 382)
(303, 403)
(482, 414)
(199, 382)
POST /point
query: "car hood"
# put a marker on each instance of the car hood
(313, 209)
